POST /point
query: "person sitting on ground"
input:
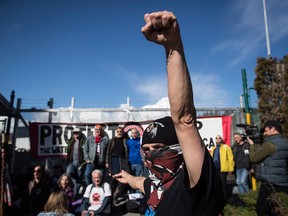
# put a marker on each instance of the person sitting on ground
(37, 192)
(183, 179)
(65, 183)
(56, 205)
(97, 196)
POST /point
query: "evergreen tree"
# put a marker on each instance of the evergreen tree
(271, 85)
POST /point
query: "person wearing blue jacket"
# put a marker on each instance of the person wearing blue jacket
(134, 156)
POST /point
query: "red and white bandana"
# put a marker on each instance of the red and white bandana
(164, 165)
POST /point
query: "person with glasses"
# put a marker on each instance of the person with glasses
(38, 191)
(117, 147)
(95, 152)
(183, 179)
(224, 161)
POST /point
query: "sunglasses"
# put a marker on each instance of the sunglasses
(218, 138)
(37, 171)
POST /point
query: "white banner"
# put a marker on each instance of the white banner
(50, 139)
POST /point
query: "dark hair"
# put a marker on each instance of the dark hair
(41, 167)
(273, 123)
(71, 184)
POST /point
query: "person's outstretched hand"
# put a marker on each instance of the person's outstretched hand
(122, 177)
(161, 28)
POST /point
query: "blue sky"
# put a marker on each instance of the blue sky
(94, 51)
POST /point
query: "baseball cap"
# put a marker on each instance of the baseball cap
(77, 130)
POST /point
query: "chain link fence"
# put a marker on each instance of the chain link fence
(253, 103)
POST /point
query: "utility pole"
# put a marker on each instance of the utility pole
(72, 109)
(4, 147)
(246, 97)
(266, 30)
(248, 116)
(50, 105)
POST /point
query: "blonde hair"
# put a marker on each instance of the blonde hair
(57, 202)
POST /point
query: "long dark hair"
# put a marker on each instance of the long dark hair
(71, 184)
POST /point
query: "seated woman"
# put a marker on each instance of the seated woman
(56, 205)
(66, 184)
(97, 196)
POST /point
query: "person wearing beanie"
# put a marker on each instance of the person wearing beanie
(271, 157)
(183, 179)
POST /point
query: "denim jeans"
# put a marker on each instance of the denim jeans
(76, 175)
(242, 180)
(137, 169)
(87, 174)
(73, 171)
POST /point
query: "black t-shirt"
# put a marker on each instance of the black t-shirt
(205, 198)
(118, 148)
(242, 159)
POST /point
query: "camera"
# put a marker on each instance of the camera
(251, 131)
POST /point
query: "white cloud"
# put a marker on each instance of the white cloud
(162, 103)
(152, 88)
(208, 91)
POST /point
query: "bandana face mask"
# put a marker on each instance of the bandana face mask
(164, 163)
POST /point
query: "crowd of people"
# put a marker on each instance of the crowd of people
(266, 161)
(184, 178)
(85, 184)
